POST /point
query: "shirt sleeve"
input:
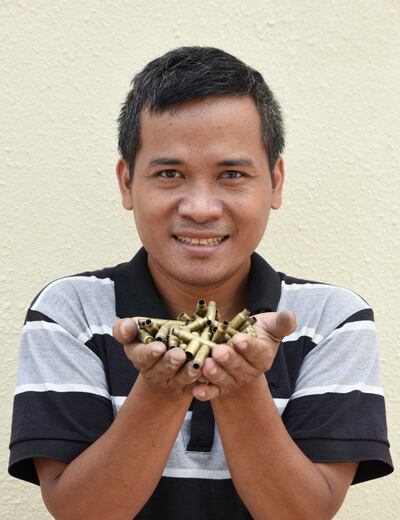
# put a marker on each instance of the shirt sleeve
(337, 410)
(62, 402)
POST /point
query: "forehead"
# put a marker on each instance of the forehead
(208, 124)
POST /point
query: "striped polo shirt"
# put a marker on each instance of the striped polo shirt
(73, 377)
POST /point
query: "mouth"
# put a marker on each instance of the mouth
(204, 242)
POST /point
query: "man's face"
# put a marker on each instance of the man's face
(201, 190)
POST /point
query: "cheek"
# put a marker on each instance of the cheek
(253, 210)
(141, 216)
(255, 218)
(256, 232)
(151, 215)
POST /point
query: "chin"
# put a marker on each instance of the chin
(199, 278)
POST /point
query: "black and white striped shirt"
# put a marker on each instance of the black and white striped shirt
(73, 378)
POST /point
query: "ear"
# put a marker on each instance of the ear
(278, 177)
(124, 183)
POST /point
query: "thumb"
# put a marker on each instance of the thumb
(125, 330)
(277, 325)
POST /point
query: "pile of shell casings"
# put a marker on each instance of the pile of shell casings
(197, 334)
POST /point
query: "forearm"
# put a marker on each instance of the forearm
(116, 475)
(270, 473)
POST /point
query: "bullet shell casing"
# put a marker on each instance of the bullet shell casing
(163, 331)
(201, 356)
(183, 317)
(198, 333)
(144, 336)
(150, 327)
(211, 310)
(239, 319)
(197, 324)
(192, 349)
(201, 308)
(219, 333)
(187, 336)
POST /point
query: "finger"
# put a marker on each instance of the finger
(174, 359)
(259, 353)
(188, 375)
(227, 367)
(204, 392)
(125, 330)
(167, 367)
(226, 357)
(276, 325)
(144, 357)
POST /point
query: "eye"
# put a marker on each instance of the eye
(170, 174)
(232, 174)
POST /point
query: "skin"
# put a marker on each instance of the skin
(200, 172)
(188, 193)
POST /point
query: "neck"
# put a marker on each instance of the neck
(230, 295)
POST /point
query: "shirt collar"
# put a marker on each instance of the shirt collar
(136, 294)
(264, 286)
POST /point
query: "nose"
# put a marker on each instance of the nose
(200, 205)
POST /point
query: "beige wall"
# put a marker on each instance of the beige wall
(334, 65)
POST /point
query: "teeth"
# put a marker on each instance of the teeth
(200, 241)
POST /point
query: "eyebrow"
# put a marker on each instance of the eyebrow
(164, 161)
(239, 161)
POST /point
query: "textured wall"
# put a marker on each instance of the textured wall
(334, 65)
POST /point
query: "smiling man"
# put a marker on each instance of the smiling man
(201, 193)
(276, 426)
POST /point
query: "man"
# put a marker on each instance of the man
(276, 426)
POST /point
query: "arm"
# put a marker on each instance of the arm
(116, 475)
(271, 474)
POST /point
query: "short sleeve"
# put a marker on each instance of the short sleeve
(62, 402)
(337, 410)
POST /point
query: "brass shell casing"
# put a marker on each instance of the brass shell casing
(183, 316)
(248, 323)
(229, 330)
(211, 310)
(187, 337)
(197, 324)
(200, 357)
(206, 333)
(201, 308)
(173, 341)
(219, 334)
(197, 334)
(250, 331)
(192, 349)
(144, 336)
(163, 331)
(150, 327)
(239, 319)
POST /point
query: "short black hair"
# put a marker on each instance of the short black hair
(190, 73)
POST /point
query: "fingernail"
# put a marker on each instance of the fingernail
(213, 370)
(123, 330)
(175, 361)
(201, 393)
(157, 350)
(242, 345)
(224, 357)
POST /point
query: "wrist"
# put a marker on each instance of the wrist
(251, 392)
(143, 389)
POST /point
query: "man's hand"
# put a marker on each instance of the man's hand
(160, 368)
(230, 369)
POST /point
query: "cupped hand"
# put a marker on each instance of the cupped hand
(160, 368)
(231, 368)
